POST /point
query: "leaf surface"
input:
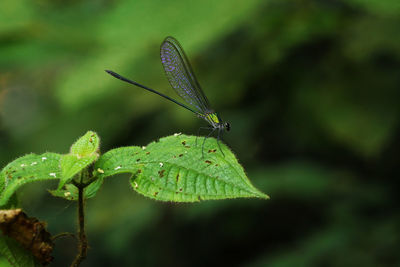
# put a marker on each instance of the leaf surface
(26, 169)
(173, 169)
(83, 153)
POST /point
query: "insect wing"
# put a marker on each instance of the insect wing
(180, 75)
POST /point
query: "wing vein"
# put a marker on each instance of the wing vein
(180, 75)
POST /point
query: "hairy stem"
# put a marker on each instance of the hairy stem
(83, 243)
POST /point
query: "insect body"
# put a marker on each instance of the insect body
(181, 77)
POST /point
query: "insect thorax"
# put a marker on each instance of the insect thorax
(213, 119)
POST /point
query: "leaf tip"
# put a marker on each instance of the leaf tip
(259, 194)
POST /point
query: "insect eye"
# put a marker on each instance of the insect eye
(227, 126)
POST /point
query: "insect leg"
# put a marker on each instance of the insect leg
(220, 132)
(198, 132)
(204, 141)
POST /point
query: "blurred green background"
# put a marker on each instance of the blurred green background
(311, 89)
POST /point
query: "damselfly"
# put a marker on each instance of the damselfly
(180, 76)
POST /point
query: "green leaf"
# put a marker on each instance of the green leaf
(26, 169)
(70, 192)
(72, 164)
(83, 153)
(16, 255)
(86, 145)
(173, 169)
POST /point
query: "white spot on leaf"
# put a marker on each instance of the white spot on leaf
(118, 167)
(44, 158)
(53, 174)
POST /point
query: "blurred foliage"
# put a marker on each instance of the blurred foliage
(311, 89)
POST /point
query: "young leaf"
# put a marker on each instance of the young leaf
(83, 152)
(86, 145)
(26, 169)
(173, 169)
(70, 192)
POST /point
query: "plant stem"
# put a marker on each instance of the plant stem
(83, 243)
